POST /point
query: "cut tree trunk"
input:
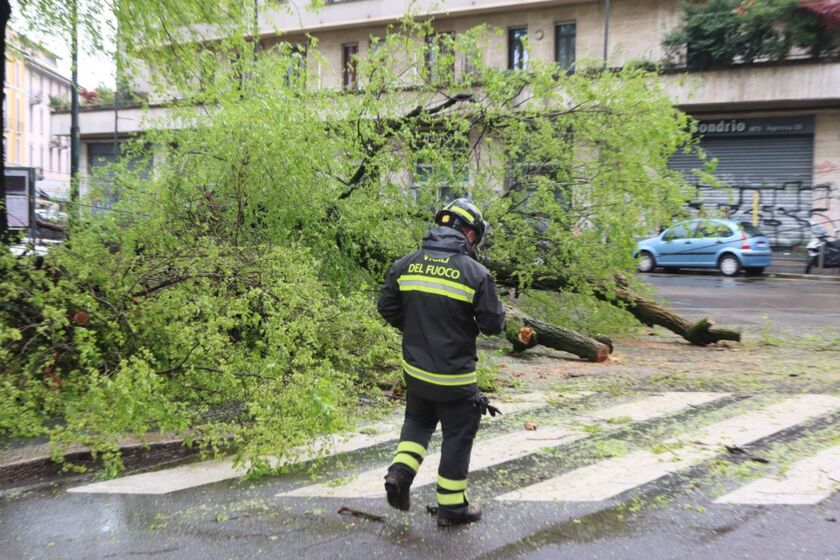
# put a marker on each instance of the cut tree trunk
(524, 332)
(700, 333)
(646, 311)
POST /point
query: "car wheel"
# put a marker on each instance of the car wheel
(646, 262)
(754, 271)
(729, 265)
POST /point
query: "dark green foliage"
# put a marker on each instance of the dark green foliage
(724, 32)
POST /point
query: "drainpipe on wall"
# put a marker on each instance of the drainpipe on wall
(606, 30)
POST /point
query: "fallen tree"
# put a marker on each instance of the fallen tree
(227, 295)
(524, 332)
(648, 312)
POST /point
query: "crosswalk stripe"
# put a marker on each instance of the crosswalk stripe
(501, 449)
(807, 482)
(611, 477)
(217, 470)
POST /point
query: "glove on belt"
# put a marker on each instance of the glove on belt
(482, 403)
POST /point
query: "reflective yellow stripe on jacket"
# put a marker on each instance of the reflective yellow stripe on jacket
(438, 286)
(439, 378)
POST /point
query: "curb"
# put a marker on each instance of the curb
(134, 456)
(766, 275)
(793, 276)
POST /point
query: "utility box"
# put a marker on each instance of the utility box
(20, 198)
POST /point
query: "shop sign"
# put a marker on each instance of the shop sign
(756, 127)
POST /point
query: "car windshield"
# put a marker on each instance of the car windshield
(751, 230)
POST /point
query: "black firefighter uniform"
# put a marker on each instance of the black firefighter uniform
(441, 298)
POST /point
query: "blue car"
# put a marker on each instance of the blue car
(707, 243)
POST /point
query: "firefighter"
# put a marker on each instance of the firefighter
(440, 298)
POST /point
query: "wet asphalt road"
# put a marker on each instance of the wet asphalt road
(781, 303)
(674, 517)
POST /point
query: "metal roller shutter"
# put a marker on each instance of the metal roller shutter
(778, 168)
(756, 161)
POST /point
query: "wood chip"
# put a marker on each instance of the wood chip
(530, 426)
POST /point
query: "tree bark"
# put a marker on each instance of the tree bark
(524, 332)
(700, 333)
(646, 311)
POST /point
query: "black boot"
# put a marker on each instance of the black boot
(461, 515)
(397, 486)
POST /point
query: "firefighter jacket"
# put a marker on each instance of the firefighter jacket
(441, 298)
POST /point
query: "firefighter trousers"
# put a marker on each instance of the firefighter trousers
(459, 422)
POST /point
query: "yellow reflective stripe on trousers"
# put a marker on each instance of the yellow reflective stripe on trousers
(414, 283)
(439, 378)
(411, 447)
(470, 218)
(449, 484)
(407, 459)
(451, 499)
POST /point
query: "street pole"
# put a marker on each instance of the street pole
(5, 14)
(116, 120)
(606, 30)
(256, 27)
(74, 107)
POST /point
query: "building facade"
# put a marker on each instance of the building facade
(775, 128)
(33, 88)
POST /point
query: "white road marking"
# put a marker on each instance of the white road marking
(501, 449)
(216, 470)
(807, 482)
(612, 477)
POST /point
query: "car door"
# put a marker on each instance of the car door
(711, 236)
(676, 244)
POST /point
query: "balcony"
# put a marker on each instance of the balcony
(353, 13)
(790, 85)
(95, 123)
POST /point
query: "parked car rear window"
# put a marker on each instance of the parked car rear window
(751, 229)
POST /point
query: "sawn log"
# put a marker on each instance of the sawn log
(524, 332)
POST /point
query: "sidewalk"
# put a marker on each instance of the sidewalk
(786, 262)
(25, 464)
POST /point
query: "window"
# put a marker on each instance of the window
(448, 184)
(517, 55)
(710, 228)
(565, 35)
(349, 65)
(440, 62)
(444, 181)
(375, 44)
(295, 73)
(676, 232)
